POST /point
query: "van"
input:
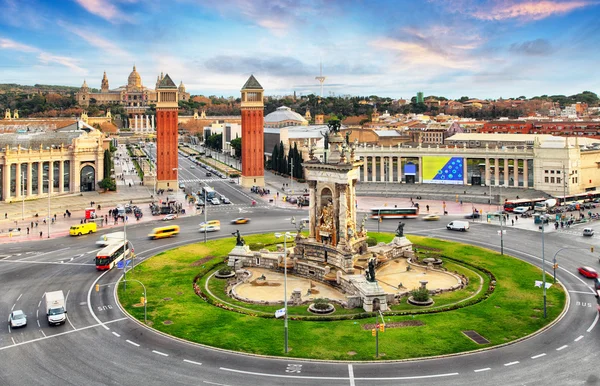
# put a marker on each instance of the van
(210, 226)
(458, 225)
(162, 232)
(83, 229)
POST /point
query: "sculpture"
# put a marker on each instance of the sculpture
(240, 240)
(400, 229)
(371, 271)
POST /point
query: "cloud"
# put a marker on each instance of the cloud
(537, 47)
(528, 10)
(104, 9)
(43, 56)
(274, 66)
(97, 41)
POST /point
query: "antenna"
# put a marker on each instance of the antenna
(321, 78)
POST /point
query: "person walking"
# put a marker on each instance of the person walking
(41, 234)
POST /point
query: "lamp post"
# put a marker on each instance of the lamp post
(543, 267)
(145, 297)
(205, 220)
(555, 265)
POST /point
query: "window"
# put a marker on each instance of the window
(551, 180)
(545, 171)
(558, 180)
(551, 171)
(546, 179)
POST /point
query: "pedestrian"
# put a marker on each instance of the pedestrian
(5, 215)
(41, 233)
(44, 221)
(427, 206)
(32, 224)
(27, 230)
(65, 215)
(54, 216)
(513, 222)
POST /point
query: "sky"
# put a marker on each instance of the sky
(389, 48)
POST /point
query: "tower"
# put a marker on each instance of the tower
(166, 134)
(253, 167)
(321, 78)
(104, 86)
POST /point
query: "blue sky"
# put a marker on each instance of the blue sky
(477, 48)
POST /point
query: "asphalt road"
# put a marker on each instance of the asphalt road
(100, 346)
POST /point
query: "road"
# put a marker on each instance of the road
(101, 346)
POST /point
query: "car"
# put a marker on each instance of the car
(231, 181)
(17, 318)
(431, 217)
(521, 209)
(225, 200)
(588, 232)
(473, 215)
(215, 201)
(192, 167)
(240, 220)
(181, 186)
(588, 272)
(199, 203)
(169, 217)
(208, 174)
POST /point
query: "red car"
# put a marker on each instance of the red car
(588, 272)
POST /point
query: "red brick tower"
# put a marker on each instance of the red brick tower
(253, 134)
(166, 134)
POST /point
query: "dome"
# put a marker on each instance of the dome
(181, 87)
(282, 114)
(134, 80)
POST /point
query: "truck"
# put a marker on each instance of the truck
(55, 308)
(110, 238)
(544, 205)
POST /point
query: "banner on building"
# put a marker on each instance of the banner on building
(442, 170)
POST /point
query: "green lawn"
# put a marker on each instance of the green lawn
(512, 311)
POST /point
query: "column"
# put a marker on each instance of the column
(487, 172)
(61, 176)
(29, 179)
(152, 122)
(50, 176)
(465, 172)
(506, 172)
(312, 208)
(18, 180)
(419, 175)
(135, 123)
(6, 182)
(75, 176)
(526, 174)
(516, 172)
(399, 167)
(382, 164)
(496, 171)
(40, 178)
(373, 169)
(147, 128)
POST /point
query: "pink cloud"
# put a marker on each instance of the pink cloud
(530, 10)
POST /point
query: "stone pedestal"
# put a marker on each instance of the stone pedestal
(237, 256)
(372, 295)
(401, 242)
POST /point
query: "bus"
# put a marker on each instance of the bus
(394, 213)
(209, 192)
(510, 205)
(110, 255)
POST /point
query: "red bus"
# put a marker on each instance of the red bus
(509, 205)
(114, 252)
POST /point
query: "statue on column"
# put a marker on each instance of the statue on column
(400, 229)
(239, 239)
(371, 270)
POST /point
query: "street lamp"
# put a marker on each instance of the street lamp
(145, 297)
(543, 267)
(555, 265)
(286, 235)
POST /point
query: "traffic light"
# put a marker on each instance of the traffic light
(374, 332)
(380, 218)
(97, 287)
(382, 327)
(555, 266)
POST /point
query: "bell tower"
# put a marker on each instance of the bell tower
(253, 166)
(104, 86)
(167, 107)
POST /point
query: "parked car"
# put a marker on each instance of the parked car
(208, 174)
(17, 318)
(588, 272)
(588, 232)
(169, 217)
(240, 220)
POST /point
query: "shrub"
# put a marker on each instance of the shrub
(225, 271)
(256, 246)
(108, 184)
(321, 304)
(420, 294)
(371, 241)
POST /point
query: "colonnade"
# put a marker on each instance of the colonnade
(18, 178)
(496, 172)
(142, 123)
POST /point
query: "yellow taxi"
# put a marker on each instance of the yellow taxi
(163, 232)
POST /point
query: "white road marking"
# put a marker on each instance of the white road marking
(13, 339)
(89, 295)
(9, 328)
(42, 254)
(61, 333)
(213, 383)
(594, 322)
(19, 297)
(41, 262)
(115, 334)
(159, 353)
(480, 370)
(37, 313)
(38, 323)
(511, 363)
(69, 319)
(336, 378)
(538, 356)
(578, 338)
(192, 362)
(351, 375)
(13, 307)
(40, 303)
(133, 343)
(581, 292)
(562, 347)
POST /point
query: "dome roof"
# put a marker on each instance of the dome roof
(284, 113)
(134, 80)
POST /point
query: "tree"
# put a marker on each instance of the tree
(281, 162)
(107, 163)
(108, 184)
(236, 144)
(275, 158)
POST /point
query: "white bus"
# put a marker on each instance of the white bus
(110, 255)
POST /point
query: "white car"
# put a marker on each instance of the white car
(17, 318)
(169, 217)
(215, 201)
(209, 227)
(521, 209)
